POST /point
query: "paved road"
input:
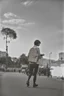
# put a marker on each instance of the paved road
(63, 89)
(1, 83)
(13, 84)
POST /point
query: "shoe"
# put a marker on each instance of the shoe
(27, 84)
(35, 85)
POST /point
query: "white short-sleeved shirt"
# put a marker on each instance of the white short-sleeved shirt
(34, 54)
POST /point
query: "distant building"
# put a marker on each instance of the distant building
(50, 62)
(61, 56)
(44, 62)
(2, 54)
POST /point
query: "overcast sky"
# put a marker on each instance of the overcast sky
(33, 19)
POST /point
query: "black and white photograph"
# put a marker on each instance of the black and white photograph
(31, 47)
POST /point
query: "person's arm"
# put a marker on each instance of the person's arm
(39, 54)
(42, 54)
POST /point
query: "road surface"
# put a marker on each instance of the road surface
(14, 84)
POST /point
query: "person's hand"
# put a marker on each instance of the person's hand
(42, 54)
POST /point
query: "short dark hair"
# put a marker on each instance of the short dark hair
(36, 42)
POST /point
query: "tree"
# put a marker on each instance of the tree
(23, 59)
(2, 60)
(9, 33)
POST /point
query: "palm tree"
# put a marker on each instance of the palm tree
(8, 33)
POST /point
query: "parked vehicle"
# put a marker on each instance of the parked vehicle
(44, 71)
(13, 69)
(23, 68)
(2, 68)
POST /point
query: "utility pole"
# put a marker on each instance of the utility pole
(49, 59)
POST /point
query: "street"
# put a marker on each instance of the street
(14, 84)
